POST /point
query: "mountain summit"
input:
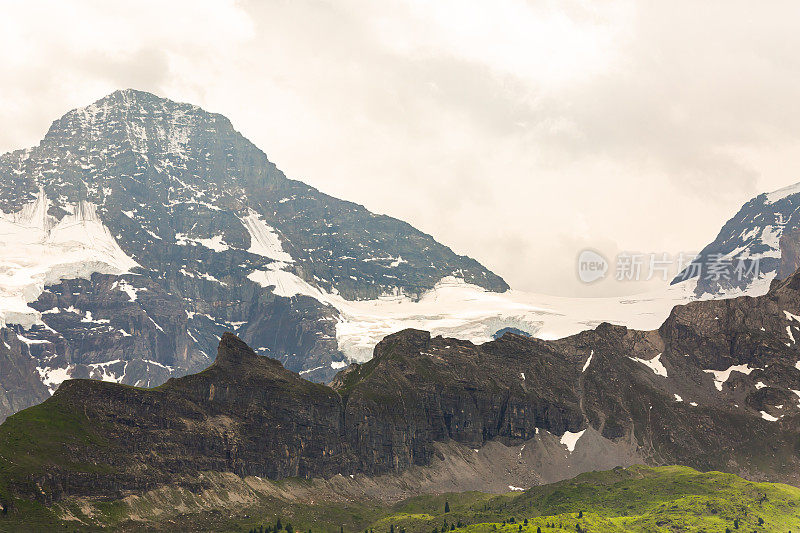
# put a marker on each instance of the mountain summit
(193, 232)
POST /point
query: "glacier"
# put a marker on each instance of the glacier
(455, 308)
(39, 250)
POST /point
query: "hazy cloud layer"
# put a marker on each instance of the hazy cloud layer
(516, 132)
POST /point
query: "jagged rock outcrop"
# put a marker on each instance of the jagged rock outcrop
(716, 387)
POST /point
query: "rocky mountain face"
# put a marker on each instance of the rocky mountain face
(790, 253)
(175, 229)
(716, 387)
(746, 256)
(21, 384)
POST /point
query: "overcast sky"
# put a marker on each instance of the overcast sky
(516, 132)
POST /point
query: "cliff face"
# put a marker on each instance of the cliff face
(419, 390)
(716, 387)
(19, 381)
(790, 253)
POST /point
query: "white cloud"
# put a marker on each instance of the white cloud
(542, 42)
(516, 132)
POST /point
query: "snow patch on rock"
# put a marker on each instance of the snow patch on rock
(721, 376)
(286, 284)
(215, 243)
(570, 439)
(53, 377)
(128, 289)
(791, 316)
(768, 417)
(264, 240)
(653, 364)
(588, 361)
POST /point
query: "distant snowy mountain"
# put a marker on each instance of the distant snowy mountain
(745, 257)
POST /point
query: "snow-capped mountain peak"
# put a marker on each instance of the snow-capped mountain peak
(745, 256)
(223, 240)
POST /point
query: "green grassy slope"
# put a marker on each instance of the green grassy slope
(642, 499)
(639, 498)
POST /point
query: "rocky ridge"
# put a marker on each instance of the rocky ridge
(717, 387)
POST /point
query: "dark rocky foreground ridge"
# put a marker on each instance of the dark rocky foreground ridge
(650, 396)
